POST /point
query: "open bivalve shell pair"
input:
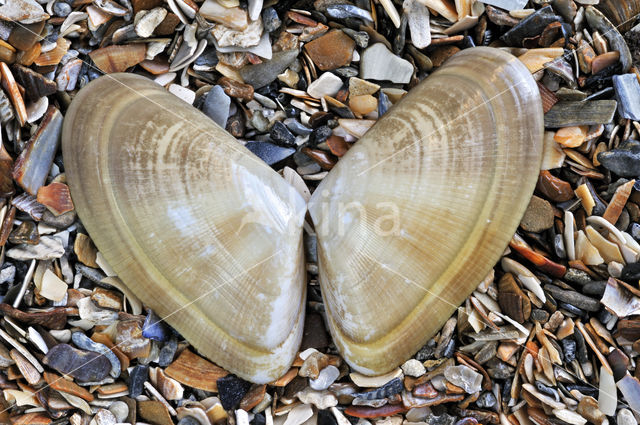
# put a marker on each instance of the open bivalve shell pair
(410, 220)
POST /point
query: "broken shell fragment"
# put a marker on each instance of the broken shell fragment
(204, 198)
(410, 224)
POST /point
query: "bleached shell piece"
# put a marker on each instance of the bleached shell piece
(418, 211)
(200, 229)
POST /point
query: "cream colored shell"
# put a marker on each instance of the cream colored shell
(416, 214)
(200, 229)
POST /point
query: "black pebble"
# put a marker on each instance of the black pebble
(320, 134)
(231, 390)
(325, 417)
(138, 377)
(259, 419)
(268, 152)
(631, 273)
(281, 134)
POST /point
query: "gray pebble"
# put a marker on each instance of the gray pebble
(486, 400)
(270, 19)
(539, 315)
(216, 105)
(120, 410)
(167, 352)
(61, 9)
(574, 298)
(84, 342)
(577, 276)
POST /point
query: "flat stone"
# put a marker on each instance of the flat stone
(379, 63)
(85, 343)
(154, 412)
(332, 50)
(624, 160)
(269, 152)
(574, 298)
(538, 216)
(260, 75)
(328, 84)
(628, 95)
(567, 114)
(85, 366)
(299, 415)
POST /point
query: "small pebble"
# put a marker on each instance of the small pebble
(413, 368)
(326, 377)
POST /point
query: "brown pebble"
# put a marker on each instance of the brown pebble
(85, 250)
(28, 371)
(154, 412)
(332, 50)
(59, 383)
(168, 25)
(553, 188)
(604, 60)
(139, 5)
(513, 301)
(588, 409)
(106, 299)
(538, 216)
(236, 89)
(338, 145)
(363, 104)
(194, 371)
(31, 419)
(322, 158)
